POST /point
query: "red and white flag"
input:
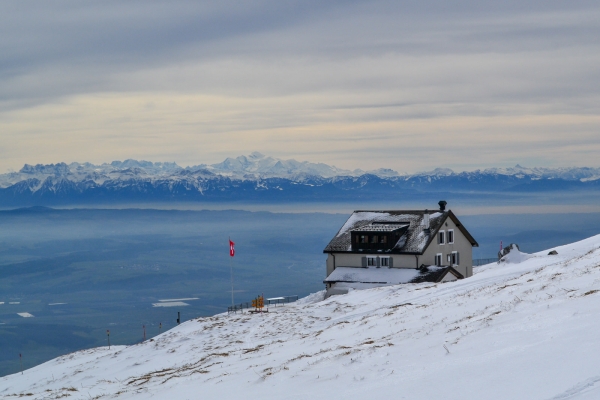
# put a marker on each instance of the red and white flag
(231, 248)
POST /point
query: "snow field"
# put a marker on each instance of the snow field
(524, 330)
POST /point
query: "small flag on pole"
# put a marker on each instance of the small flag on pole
(231, 254)
(231, 248)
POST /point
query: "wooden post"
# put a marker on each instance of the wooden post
(108, 338)
(159, 327)
(21, 361)
(144, 328)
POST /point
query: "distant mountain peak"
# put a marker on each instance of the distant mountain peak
(55, 169)
(259, 165)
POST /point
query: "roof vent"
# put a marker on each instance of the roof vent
(442, 204)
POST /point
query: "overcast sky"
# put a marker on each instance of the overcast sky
(408, 85)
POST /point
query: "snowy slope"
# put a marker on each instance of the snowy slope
(519, 330)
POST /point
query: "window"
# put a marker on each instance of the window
(372, 261)
(385, 261)
(438, 259)
(357, 240)
(383, 239)
(454, 257)
(442, 237)
(450, 236)
(374, 239)
(364, 239)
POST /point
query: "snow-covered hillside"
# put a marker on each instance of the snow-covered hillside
(516, 330)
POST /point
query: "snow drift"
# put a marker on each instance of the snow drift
(525, 330)
(512, 254)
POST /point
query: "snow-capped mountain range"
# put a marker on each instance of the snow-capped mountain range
(526, 328)
(251, 167)
(259, 177)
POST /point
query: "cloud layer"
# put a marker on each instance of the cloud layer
(357, 84)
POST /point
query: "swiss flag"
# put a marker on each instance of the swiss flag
(231, 248)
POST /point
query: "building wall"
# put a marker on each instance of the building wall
(461, 245)
(355, 260)
(329, 264)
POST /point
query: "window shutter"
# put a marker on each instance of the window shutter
(364, 262)
(457, 258)
(438, 237)
(390, 262)
(378, 262)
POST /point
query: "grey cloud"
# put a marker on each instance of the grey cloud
(347, 61)
(127, 36)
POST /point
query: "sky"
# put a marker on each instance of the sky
(410, 85)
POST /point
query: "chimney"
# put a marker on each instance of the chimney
(442, 204)
(425, 222)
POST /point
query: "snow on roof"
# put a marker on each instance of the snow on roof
(433, 273)
(414, 240)
(378, 227)
(389, 276)
(359, 218)
(372, 275)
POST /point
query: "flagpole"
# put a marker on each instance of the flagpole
(231, 269)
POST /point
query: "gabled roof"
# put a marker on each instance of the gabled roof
(414, 240)
(432, 273)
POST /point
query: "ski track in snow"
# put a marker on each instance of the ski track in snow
(520, 331)
(580, 388)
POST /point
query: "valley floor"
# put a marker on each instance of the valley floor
(524, 330)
